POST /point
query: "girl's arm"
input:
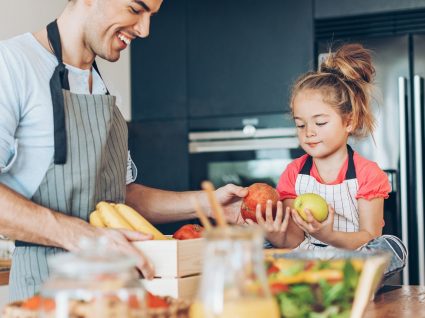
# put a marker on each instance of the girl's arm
(371, 213)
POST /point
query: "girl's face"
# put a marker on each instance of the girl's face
(321, 129)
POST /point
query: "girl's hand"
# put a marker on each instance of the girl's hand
(276, 230)
(321, 231)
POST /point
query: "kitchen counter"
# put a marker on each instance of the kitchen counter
(398, 302)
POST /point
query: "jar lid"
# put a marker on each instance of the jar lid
(93, 257)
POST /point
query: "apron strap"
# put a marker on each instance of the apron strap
(97, 70)
(351, 170)
(308, 164)
(58, 82)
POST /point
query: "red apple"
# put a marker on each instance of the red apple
(258, 193)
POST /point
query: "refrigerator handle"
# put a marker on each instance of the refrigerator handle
(417, 85)
(403, 169)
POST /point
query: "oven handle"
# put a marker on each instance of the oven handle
(243, 145)
(248, 131)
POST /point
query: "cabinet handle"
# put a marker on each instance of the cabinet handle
(418, 81)
(403, 169)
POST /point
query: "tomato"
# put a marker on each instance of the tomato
(272, 269)
(188, 231)
(155, 301)
(37, 302)
(277, 288)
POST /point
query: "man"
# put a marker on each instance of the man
(63, 141)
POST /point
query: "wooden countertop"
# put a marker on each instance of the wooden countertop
(398, 302)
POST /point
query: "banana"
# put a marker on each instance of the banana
(96, 220)
(111, 218)
(138, 222)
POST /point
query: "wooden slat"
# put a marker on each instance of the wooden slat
(4, 278)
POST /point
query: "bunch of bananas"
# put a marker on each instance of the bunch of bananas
(121, 216)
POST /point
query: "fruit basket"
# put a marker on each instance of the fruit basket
(328, 283)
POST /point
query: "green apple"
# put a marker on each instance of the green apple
(314, 203)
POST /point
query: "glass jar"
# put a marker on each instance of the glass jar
(95, 282)
(234, 283)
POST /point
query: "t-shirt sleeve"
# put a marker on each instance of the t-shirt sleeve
(373, 182)
(9, 109)
(131, 170)
(286, 184)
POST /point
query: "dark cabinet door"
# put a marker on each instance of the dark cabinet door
(341, 8)
(158, 66)
(160, 152)
(243, 55)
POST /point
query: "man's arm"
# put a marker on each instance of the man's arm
(160, 206)
(22, 219)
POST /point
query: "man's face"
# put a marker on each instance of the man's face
(112, 24)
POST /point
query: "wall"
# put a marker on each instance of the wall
(21, 16)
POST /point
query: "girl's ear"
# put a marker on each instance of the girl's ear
(349, 125)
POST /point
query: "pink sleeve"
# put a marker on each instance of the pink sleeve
(286, 185)
(373, 182)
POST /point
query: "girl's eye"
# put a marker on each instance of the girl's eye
(321, 124)
(132, 10)
(300, 126)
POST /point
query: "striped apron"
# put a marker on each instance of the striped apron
(90, 164)
(341, 196)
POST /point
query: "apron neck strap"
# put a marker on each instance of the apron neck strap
(55, 42)
(351, 170)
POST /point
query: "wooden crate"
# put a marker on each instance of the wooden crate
(174, 258)
(181, 287)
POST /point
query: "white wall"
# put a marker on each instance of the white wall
(19, 16)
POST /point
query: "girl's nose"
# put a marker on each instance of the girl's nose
(310, 130)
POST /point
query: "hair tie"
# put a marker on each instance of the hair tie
(333, 71)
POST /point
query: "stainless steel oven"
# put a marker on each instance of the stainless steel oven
(241, 150)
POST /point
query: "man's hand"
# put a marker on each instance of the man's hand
(230, 197)
(120, 240)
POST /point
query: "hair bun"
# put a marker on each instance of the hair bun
(351, 61)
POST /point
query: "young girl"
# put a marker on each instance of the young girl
(328, 107)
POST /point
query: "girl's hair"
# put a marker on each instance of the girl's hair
(345, 80)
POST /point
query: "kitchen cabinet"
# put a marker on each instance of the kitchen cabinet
(158, 66)
(208, 58)
(243, 55)
(159, 150)
(341, 8)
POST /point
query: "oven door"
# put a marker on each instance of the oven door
(241, 157)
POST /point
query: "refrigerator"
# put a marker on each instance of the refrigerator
(397, 144)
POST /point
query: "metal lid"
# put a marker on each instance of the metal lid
(94, 257)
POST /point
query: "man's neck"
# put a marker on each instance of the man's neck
(74, 50)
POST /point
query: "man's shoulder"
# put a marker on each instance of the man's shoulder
(23, 47)
(17, 44)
